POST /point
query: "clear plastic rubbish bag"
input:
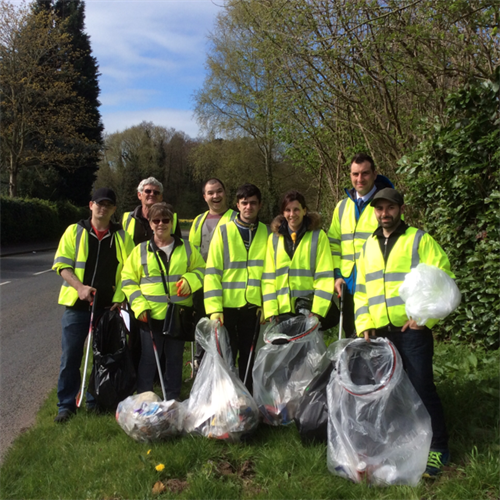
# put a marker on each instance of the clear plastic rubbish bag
(219, 405)
(292, 356)
(429, 293)
(379, 430)
(145, 417)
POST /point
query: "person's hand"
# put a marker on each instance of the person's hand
(183, 288)
(119, 305)
(143, 316)
(412, 325)
(86, 293)
(338, 286)
(217, 317)
(260, 314)
(369, 333)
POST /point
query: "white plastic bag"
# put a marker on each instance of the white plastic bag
(429, 293)
(291, 357)
(145, 417)
(379, 431)
(219, 405)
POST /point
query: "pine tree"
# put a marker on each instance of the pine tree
(75, 182)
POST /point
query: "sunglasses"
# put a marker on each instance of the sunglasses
(154, 191)
(163, 221)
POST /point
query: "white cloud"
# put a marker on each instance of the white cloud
(151, 57)
(180, 119)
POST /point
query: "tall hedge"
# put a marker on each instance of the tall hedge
(452, 178)
(29, 220)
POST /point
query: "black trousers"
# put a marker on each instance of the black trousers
(416, 348)
(241, 324)
(348, 317)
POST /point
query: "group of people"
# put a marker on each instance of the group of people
(244, 274)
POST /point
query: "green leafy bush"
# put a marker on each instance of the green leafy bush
(453, 181)
(28, 220)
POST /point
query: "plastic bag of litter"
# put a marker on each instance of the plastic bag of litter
(429, 293)
(292, 356)
(219, 405)
(379, 430)
(145, 417)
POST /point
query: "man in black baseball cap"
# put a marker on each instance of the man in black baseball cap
(89, 258)
(388, 194)
(104, 194)
(387, 257)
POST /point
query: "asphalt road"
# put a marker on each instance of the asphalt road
(30, 340)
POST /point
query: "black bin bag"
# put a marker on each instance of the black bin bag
(113, 376)
(311, 416)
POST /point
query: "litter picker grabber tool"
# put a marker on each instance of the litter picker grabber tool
(79, 396)
(191, 377)
(157, 359)
(341, 307)
(252, 349)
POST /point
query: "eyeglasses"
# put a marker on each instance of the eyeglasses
(154, 191)
(163, 221)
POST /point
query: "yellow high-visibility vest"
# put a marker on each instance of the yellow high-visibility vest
(347, 236)
(72, 252)
(197, 225)
(143, 284)
(308, 273)
(233, 274)
(377, 302)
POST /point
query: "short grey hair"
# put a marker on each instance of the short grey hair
(152, 181)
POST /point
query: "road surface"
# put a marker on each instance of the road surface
(30, 340)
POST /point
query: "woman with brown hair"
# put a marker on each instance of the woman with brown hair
(298, 268)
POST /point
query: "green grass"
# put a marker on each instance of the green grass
(90, 457)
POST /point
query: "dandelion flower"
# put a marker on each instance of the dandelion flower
(149, 451)
(159, 467)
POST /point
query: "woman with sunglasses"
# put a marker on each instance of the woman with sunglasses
(298, 268)
(183, 269)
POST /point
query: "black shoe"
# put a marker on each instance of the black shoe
(63, 416)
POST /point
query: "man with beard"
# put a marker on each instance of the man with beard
(387, 256)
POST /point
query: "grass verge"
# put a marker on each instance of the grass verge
(90, 457)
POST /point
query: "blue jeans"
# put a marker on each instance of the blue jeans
(75, 327)
(173, 351)
(416, 348)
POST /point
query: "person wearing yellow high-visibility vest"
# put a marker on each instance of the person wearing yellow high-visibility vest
(387, 256)
(298, 264)
(203, 226)
(183, 270)
(136, 223)
(89, 258)
(232, 286)
(202, 230)
(353, 221)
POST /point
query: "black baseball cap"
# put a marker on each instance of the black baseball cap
(103, 194)
(390, 195)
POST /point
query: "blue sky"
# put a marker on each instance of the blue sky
(151, 57)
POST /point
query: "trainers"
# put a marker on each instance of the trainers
(435, 463)
(63, 416)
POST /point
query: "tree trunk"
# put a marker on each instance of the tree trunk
(12, 177)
